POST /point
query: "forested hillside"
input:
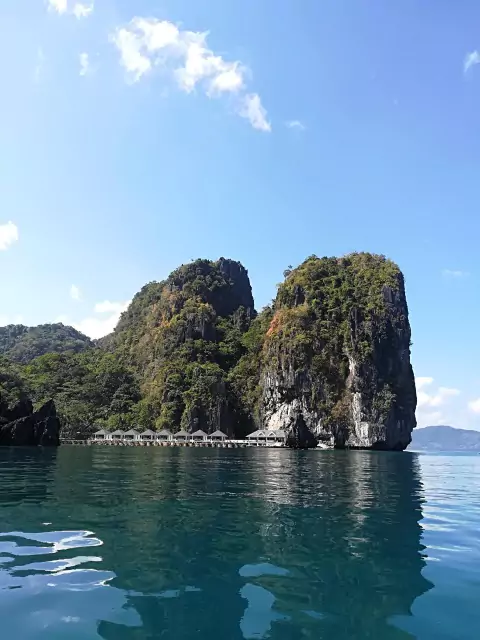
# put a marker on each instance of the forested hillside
(330, 359)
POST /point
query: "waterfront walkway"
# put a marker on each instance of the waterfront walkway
(227, 444)
(165, 438)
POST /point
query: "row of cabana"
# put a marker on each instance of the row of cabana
(133, 435)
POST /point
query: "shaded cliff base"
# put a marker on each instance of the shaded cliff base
(22, 426)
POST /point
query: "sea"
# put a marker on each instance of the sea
(127, 543)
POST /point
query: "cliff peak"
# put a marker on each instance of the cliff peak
(336, 354)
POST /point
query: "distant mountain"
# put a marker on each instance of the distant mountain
(443, 438)
(22, 344)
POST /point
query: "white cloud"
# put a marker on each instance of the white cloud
(75, 293)
(135, 63)
(8, 235)
(103, 320)
(252, 109)
(295, 124)
(474, 405)
(84, 64)
(111, 307)
(229, 80)
(430, 406)
(97, 327)
(78, 9)
(423, 382)
(146, 44)
(436, 399)
(454, 273)
(471, 59)
(60, 6)
(81, 10)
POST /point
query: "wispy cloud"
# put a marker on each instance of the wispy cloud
(471, 59)
(442, 396)
(295, 124)
(78, 9)
(75, 293)
(60, 6)
(436, 399)
(104, 320)
(39, 66)
(147, 44)
(474, 406)
(84, 64)
(111, 307)
(423, 382)
(101, 322)
(251, 108)
(8, 235)
(432, 401)
(455, 273)
(81, 10)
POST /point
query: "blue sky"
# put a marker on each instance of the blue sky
(135, 136)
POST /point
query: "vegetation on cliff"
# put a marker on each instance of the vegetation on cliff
(183, 336)
(22, 344)
(339, 328)
(191, 352)
(309, 324)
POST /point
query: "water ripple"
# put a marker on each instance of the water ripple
(175, 544)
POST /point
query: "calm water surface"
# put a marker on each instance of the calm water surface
(137, 543)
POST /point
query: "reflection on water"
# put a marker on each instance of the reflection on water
(188, 543)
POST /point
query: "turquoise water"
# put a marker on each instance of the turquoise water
(137, 543)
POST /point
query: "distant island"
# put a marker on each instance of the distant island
(444, 438)
(328, 361)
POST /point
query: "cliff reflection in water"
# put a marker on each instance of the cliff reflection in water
(231, 543)
(348, 526)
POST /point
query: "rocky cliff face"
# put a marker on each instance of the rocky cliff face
(336, 356)
(21, 426)
(183, 336)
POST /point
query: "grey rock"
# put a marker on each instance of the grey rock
(299, 435)
(378, 398)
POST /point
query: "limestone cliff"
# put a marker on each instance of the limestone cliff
(335, 361)
(183, 336)
(329, 361)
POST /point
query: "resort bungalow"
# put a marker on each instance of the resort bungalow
(101, 435)
(257, 436)
(148, 435)
(218, 436)
(181, 436)
(199, 436)
(117, 435)
(131, 435)
(163, 436)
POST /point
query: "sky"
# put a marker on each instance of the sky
(136, 136)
